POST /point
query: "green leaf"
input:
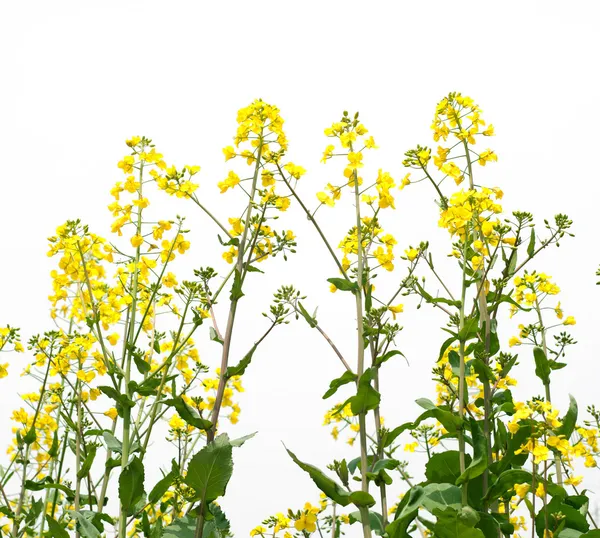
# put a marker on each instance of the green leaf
(164, 484)
(443, 467)
(434, 300)
(210, 469)
(460, 523)
(367, 398)
(309, 319)
(214, 336)
(569, 420)
(85, 527)
(433, 497)
(30, 437)
(182, 527)
(447, 344)
(542, 367)
(572, 517)
(362, 498)
(479, 463)
(375, 521)
(405, 514)
(87, 463)
(142, 365)
(121, 399)
(241, 440)
(343, 285)
(384, 358)
(236, 288)
(440, 497)
(591, 534)
(345, 378)
(112, 443)
(448, 419)
(188, 414)
(55, 529)
(131, 485)
(531, 245)
(53, 452)
(327, 485)
(241, 366)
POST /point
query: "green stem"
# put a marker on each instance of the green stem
(364, 512)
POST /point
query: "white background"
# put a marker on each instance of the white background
(77, 78)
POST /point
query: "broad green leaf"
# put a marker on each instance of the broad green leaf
(210, 469)
(182, 527)
(505, 482)
(406, 513)
(345, 378)
(131, 485)
(452, 523)
(571, 516)
(375, 521)
(542, 367)
(85, 527)
(440, 497)
(591, 534)
(327, 485)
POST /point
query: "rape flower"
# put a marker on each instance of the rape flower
(396, 309)
(113, 339)
(229, 182)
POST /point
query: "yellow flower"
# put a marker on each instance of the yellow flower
(113, 339)
(307, 522)
(514, 341)
(295, 170)
(540, 453)
(569, 321)
(396, 309)
(410, 447)
(127, 164)
(574, 480)
(136, 240)
(87, 377)
(229, 152)
(112, 413)
(258, 531)
(521, 489)
(229, 182)
(3, 370)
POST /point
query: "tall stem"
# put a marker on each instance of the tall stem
(128, 358)
(360, 367)
(461, 377)
(210, 435)
(557, 460)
